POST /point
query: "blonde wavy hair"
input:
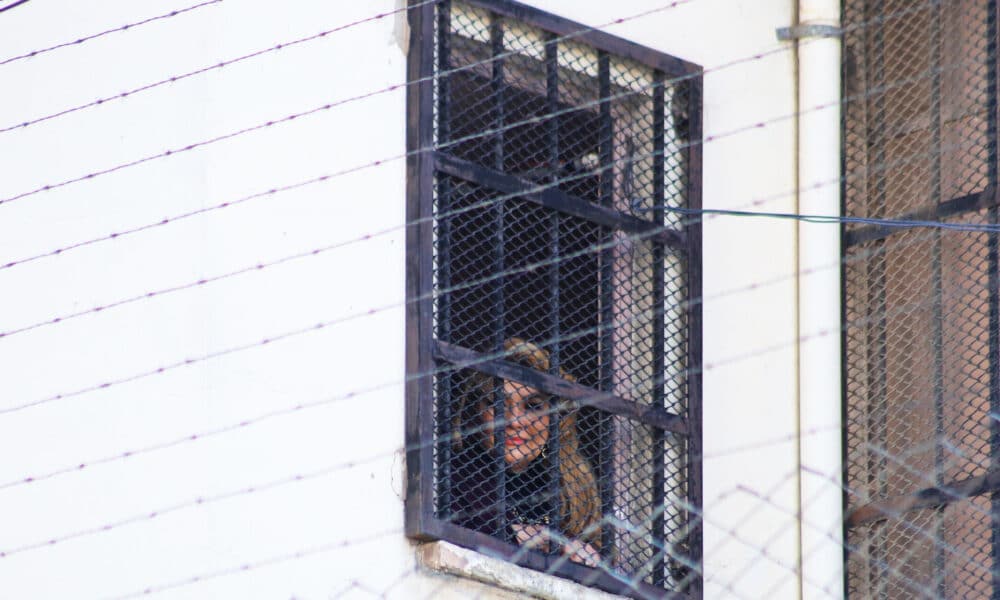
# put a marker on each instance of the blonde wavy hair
(579, 500)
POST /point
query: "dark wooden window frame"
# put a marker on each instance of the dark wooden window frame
(424, 353)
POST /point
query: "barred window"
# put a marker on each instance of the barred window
(554, 315)
(921, 306)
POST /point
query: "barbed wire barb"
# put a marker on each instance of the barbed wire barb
(120, 28)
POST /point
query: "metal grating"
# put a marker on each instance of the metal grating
(921, 308)
(562, 401)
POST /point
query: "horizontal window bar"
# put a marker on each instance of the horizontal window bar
(589, 36)
(949, 208)
(557, 200)
(932, 497)
(550, 384)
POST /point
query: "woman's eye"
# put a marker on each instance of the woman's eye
(536, 403)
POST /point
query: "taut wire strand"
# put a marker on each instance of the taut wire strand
(92, 36)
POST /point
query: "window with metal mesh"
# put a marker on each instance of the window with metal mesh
(921, 310)
(554, 326)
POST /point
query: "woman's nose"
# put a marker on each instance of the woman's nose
(514, 414)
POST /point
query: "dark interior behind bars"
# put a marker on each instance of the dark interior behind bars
(510, 268)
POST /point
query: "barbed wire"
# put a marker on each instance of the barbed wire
(445, 73)
(878, 20)
(311, 328)
(640, 527)
(764, 499)
(323, 34)
(382, 308)
(330, 105)
(901, 309)
(13, 4)
(494, 131)
(909, 223)
(253, 565)
(219, 65)
(261, 265)
(120, 28)
(896, 518)
(639, 316)
(834, 479)
(342, 172)
(356, 584)
(204, 500)
(347, 464)
(767, 498)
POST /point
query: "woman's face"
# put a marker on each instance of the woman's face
(526, 416)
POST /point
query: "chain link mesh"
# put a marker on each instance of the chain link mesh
(561, 294)
(920, 139)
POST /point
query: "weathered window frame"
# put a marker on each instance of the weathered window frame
(425, 353)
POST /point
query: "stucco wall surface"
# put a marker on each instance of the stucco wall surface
(263, 460)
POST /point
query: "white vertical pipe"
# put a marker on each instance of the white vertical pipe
(819, 306)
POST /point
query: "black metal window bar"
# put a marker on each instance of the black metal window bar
(553, 333)
(921, 306)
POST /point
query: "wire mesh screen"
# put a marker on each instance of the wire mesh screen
(921, 305)
(561, 310)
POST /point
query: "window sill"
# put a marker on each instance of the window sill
(462, 562)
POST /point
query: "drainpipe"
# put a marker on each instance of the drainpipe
(821, 555)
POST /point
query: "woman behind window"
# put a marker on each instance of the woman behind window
(528, 496)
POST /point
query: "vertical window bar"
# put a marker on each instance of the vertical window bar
(499, 265)
(876, 353)
(552, 106)
(846, 72)
(659, 327)
(935, 60)
(420, 363)
(994, 283)
(496, 43)
(606, 190)
(444, 264)
(693, 381)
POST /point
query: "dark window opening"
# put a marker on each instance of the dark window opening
(554, 351)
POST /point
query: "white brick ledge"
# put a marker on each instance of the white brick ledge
(455, 560)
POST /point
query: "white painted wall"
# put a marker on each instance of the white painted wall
(342, 505)
(751, 481)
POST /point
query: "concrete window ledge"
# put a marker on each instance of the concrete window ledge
(455, 560)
